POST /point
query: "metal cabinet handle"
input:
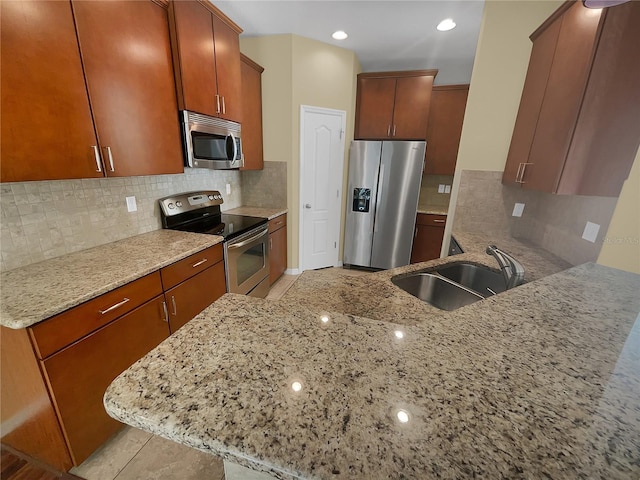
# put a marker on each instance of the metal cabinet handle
(224, 107)
(113, 307)
(439, 221)
(110, 157)
(96, 154)
(217, 103)
(518, 173)
(270, 244)
(166, 311)
(394, 131)
(389, 131)
(173, 303)
(197, 264)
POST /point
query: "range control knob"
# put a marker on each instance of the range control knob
(171, 206)
(211, 197)
(178, 204)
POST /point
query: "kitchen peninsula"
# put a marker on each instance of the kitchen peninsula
(539, 381)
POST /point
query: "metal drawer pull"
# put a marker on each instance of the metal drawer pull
(197, 264)
(96, 154)
(173, 302)
(166, 311)
(113, 307)
(110, 157)
(439, 221)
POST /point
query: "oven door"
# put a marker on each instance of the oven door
(247, 262)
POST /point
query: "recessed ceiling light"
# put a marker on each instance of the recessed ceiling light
(446, 24)
(339, 35)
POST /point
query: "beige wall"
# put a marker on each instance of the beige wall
(621, 248)
(308, 72)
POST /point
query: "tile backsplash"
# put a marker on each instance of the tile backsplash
(553, 222)
(429, 196)
(41, 220)
(267, 187)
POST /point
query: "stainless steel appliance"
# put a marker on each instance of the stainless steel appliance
(383, 191)
(210, 142)
(246, 249)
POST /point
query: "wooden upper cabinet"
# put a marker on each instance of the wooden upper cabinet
(577, 131)
(47, 129)
(252, 114)
(127, 58)
(206, 48)
(393, 105)
(446, 114)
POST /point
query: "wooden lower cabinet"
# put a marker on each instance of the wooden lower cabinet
(427, 241)
(190, 297)
(79, 374)
(277, 247)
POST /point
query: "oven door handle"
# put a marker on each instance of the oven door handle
(247, 241)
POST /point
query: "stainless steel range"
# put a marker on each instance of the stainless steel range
(246, 249)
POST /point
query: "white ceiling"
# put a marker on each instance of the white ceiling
(385, 35)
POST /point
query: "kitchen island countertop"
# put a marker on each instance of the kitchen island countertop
(38, 291)
(539, 381)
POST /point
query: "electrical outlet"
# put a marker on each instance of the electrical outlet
(518, 208)
(447, 189)
(131, 204)
(228, 189)
(441, 188)
(591, 232)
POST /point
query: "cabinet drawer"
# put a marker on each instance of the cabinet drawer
(278, 222)
(431, 220)
(190, 266)
(63, 329)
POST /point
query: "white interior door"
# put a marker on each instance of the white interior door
(321, 170)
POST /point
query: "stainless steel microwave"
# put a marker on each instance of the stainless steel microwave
(211, 142)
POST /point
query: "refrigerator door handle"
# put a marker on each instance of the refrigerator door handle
(378, 197)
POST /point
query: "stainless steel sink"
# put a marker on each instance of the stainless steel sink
(437, 291)
(480, 279)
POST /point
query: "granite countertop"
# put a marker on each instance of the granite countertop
(537, 382)
(38, 291)
(431, 210)
(267, 212)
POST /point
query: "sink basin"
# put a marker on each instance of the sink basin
(479, 279)
(437, 291)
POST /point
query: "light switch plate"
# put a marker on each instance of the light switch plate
(228, 189)
(131, 204)
(441, 188)
(518, 208)
(590, 233)
(447, 189)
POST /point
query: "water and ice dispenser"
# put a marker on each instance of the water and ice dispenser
(361, 199)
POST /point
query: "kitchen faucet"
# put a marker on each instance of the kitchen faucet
(512, 270)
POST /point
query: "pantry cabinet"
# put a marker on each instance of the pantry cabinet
(206, 48)
(251, 114)
(393, 105)
(277, 247)
(576, 131)
(446, 114)
(87, 91)
(427, 240)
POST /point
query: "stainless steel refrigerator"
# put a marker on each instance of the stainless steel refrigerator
(383, 191)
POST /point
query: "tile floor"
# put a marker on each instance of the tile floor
(133, 454)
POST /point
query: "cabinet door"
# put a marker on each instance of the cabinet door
(188, 299)
(127, 58)
(446, 115)
(531, 101)
(79, 375)
(427, 243)
(562, 98)
(195, 68)
(47, 129)
(227, 47)
(374, 109)
(411, 108)
(277, 254)
(252, 114)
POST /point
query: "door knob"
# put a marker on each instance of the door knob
(307, 205)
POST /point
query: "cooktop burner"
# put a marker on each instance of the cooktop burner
(199, 212)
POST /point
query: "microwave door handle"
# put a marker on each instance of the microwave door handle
(235, 147)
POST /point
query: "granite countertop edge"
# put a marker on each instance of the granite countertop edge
(268, 212)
